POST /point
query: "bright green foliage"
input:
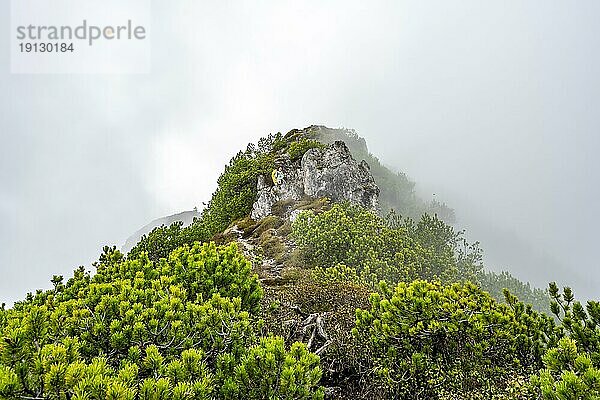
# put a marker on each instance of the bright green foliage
(143, 330)
(237, 189)
(423, 338)
(572, 361)
(568, 374)
(201, 269)
(299, 147)
(207, 269)
(67, 376)
(579, 323)
(348, 242)
(9, 382)
(268, 371)
(117, 321)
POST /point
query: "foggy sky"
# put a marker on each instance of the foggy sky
(492, 106)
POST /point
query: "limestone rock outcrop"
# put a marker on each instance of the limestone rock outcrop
(321, 172)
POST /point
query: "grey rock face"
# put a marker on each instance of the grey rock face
(330, 172)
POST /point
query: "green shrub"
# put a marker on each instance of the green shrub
(568, 374)
(422, 337)
(269, 371)
(206, 269)
(236, 190)
(348, 239)
(137, 329)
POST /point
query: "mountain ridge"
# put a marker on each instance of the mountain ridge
(325, 295)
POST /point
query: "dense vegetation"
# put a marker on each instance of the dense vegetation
(367, 306)
(183, 328)
(351, 243)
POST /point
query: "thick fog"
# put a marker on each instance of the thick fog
(491, 106)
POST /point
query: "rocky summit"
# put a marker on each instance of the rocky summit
(329, 172)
